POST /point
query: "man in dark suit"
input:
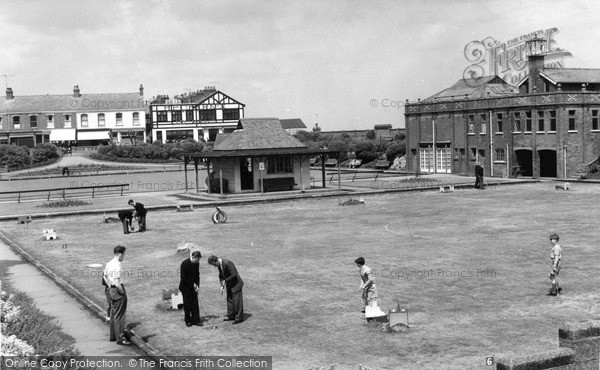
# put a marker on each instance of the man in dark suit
(233, 283)
(479, 176)
(188, 285)
(140, 212)
(126, 217)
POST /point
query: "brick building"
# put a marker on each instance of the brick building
(545, 126)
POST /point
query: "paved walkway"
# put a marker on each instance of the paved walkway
(90, 333)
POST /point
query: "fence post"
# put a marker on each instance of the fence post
(64, 193)
(93, 191)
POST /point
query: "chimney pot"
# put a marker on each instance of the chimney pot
(9, 93)
(76, 93)
(141, 90)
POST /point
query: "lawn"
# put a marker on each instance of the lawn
(471, 267)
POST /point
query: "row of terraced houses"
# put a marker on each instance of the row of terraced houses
(87, 120)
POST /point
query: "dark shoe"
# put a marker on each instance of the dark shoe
(124, 343)
(238, 321)
(113, 340)
(559, 289)
(188, 324)
(229, 319)
(127, 232)
(362, 311)
(199, 324)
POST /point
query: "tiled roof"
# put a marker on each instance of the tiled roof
(68, 103)
(571, 75)
(484, 87)
(197, 96)
(259, 133)
(292, 123)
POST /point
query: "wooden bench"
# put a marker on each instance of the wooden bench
(355, 163)
(382, 163)
(278, 183)
(517, 171)
(331, 162)
(215, 186)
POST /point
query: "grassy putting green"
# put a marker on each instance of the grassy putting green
(471, 267)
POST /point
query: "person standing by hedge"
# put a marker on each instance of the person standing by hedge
(113, 273)
(140, 212)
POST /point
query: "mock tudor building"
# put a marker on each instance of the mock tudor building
(75, 119)
(199, 115)
(548, 125)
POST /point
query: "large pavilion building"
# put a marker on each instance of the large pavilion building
(548, 125)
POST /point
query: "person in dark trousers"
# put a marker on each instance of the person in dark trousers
(108, 299)
(126, 217)
(188, 286)
(140, 212)
(233, 283)
(479, 176)
(113, 274)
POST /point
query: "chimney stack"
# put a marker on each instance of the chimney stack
(76, 93)
(535, 50)
(141, 90)
(9, 93)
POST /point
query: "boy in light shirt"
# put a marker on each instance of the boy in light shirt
(556, 257)
(367, 286)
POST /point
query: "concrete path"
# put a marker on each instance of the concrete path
(91, 334)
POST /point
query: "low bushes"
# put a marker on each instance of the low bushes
(148, 152)
(367, 149)
(27, 330)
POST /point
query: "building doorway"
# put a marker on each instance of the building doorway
(547, 163)
(524, 161)
(442, 162)
(246, 176)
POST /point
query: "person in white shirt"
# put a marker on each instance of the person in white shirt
(113, 275)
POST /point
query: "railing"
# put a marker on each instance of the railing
(373, 175)
(63, 193)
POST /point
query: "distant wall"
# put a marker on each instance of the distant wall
(362, 134)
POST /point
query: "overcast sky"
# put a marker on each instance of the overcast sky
(285, 59)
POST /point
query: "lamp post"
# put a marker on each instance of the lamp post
(433, 117)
